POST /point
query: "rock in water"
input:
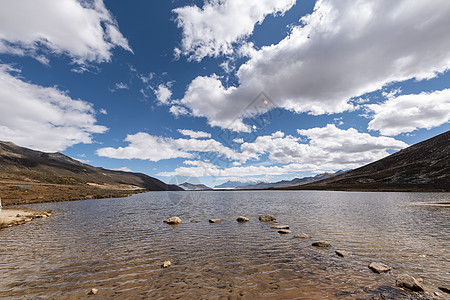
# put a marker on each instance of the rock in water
(321, 244)
(341, 253)
(409, 282)
(379, 268)
(267, 218)
(444, 289)
(302, 236)
(242, 219)
(173, 221)
(215, 220)
(93, 292)
(284, 231)
(166, 264)
(280, 227)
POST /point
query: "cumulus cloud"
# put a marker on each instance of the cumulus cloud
(43, 118)
(155, 148)
(343, 50)
(328, 149)
(123, 169)
(84, 30)
(406, 113)
(214, 29)
(194, 134)
(163, 93)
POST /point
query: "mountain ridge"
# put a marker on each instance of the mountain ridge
(30, 176)
(424, 166)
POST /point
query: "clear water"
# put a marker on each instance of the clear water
(118, 246)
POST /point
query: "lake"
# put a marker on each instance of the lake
(118, 245)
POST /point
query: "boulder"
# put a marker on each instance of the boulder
(267, 218)
(302, 236)
(321, 244)
(341, 253)
(215, 220)
(284, 231)
(378, 267)
(173, 221)
(93, 292)
(280, 227)
(409, 282)
(166, 264)
(242, 219)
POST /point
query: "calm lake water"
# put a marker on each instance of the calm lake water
(118, 245)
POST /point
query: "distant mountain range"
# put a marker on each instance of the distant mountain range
(231, 184)
(28, 176)
(287, 183)
(424, 166)
(194, 187)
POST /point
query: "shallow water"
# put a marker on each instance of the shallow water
(118, 245)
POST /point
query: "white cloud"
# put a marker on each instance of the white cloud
(43, 118)
(123, 169)
(344, 49)
(85, 31)
(121, 86)
(328, 149)
(238, 140)
(177, 110)
(194, 134)
(215, 28)
(154, 148)
(406, 113)
(163, 93)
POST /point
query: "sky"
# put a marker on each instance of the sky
(215, 90)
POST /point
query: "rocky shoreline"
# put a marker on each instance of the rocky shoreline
(16, 216)
(404, 286)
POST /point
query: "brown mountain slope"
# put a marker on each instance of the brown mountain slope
(424, 166)
(28, 176)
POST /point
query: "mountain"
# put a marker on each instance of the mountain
(29, 176)
(287, 183)
(194, 187)
(424, 166)
(231, 184)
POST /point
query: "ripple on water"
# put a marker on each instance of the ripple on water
(118, 245)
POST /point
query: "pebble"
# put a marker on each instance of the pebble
(341, 253)
(378, 267)
(173, 221)
(267, 218)
(409, 282)
(242, 219)
(321, 244)
(93, 292)
(280, 227)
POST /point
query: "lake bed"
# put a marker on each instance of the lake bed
(118, 245)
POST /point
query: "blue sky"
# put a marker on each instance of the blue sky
(209, 91)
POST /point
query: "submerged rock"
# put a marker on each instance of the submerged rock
(409, 282)
(284, 231)
(280, 227)
(93, 292)
(242, 219)
(321, 244)
(166, 264)
(302, 236)
(378, 267)
(267, 218)
(173, 221)
(341, 253)
(215, 220)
